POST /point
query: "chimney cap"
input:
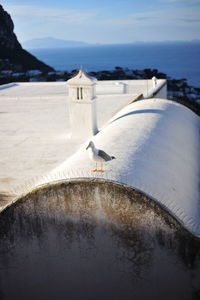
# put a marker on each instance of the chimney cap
(82, 79)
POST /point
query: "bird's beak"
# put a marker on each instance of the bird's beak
(87, 147)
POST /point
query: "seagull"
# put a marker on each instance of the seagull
(98, 155)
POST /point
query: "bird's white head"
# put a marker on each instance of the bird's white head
(90, 145)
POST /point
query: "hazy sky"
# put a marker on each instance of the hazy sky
(106, 21)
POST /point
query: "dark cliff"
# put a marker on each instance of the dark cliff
(12, 55)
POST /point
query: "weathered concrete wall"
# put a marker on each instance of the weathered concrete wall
(96, 200)
(71, 239)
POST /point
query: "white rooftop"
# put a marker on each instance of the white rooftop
(35, 130)
(33, 89)
(155, 142)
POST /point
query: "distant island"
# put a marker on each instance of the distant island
(50, 42)
(54, 43)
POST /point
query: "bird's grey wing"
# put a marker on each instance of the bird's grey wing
(104, 155)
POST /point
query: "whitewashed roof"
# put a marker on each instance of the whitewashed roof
(155, 142)
(34, 124)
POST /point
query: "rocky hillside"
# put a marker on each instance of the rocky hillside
(12, 55)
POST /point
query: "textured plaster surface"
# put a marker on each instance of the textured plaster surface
(35, 130)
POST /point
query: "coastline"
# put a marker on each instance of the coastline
(177, 60)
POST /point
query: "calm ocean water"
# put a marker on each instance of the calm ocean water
(177, 60)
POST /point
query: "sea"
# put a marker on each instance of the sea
(177, 59)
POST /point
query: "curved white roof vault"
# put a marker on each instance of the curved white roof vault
(156, 145)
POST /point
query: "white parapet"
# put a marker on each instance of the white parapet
(158, 89)
(82, 98)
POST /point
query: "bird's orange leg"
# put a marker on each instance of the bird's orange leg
(101, 170)
(95, 170)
